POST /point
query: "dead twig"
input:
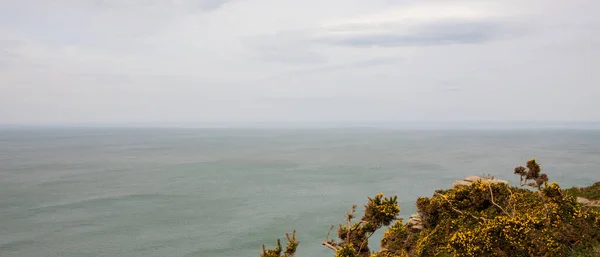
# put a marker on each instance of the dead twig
(492, 198)
(349, 217)
(512, 200)
(327, 242)
(363, 242)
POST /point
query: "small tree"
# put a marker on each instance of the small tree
(533, 173)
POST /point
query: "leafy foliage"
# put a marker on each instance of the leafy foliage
(482, 219)
(290, 249)
(354, 236)
(592, 192)
(498, 220)
(533, 172)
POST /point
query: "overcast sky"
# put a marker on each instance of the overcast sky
(203, 61)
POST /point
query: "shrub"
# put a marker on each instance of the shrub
(482, 219)
(592, 192)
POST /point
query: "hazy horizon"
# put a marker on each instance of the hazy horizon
(410, 125)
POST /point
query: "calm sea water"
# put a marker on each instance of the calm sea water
(224, 192)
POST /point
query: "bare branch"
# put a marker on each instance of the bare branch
(327, 243)
(330, 246)
(349, 217)
(512, 200)
(328, 232)
(364, 241)
(492, 195)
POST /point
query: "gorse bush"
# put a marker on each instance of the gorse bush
(518, 222)
(354, 236)
(290, 249)
(482, 219)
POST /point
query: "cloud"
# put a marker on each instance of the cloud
(348, 66)
(8, 55)
(186, 61)
(189, 5)
(209, 5)
(291, 47)
(438, 33)
(362, 64)
(6, 58)
(421, 25)
(413, 25)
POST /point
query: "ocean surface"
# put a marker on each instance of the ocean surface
(223, 192)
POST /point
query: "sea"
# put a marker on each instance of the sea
(223, 192)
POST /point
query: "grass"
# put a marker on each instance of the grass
(581, 253)
(592, 192)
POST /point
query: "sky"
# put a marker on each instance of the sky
(291, 61)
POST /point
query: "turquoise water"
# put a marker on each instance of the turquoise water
(224, 192)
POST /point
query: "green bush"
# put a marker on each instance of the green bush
(482, 219)
(592, 192)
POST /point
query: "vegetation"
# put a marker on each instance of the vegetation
(290, 249)
(482, 219)
(592, 192)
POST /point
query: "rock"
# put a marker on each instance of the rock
(470, 179)
(583, 201)
(459, 183)
(415, 216)
(415, 222)
(417, 227)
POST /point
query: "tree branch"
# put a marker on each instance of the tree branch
(512, 200)
(349, 218)
(330, 246)
(492, 195)
(364, 241)
(327, 243)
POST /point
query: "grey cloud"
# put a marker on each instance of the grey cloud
(289, 47)
(209, 5)
(439, 33)
(155, 60)
(282, 56)
(105, 77)
(204, 5)
(369, 63)
(6, 58)
(373, 62)
(450, 87)
(10, 43)
(7, 53)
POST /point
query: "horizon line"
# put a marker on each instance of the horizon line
(315, 124)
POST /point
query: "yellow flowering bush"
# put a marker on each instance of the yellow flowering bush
(379, 211)
(290, 249)
(486, 219)
(481, 219)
